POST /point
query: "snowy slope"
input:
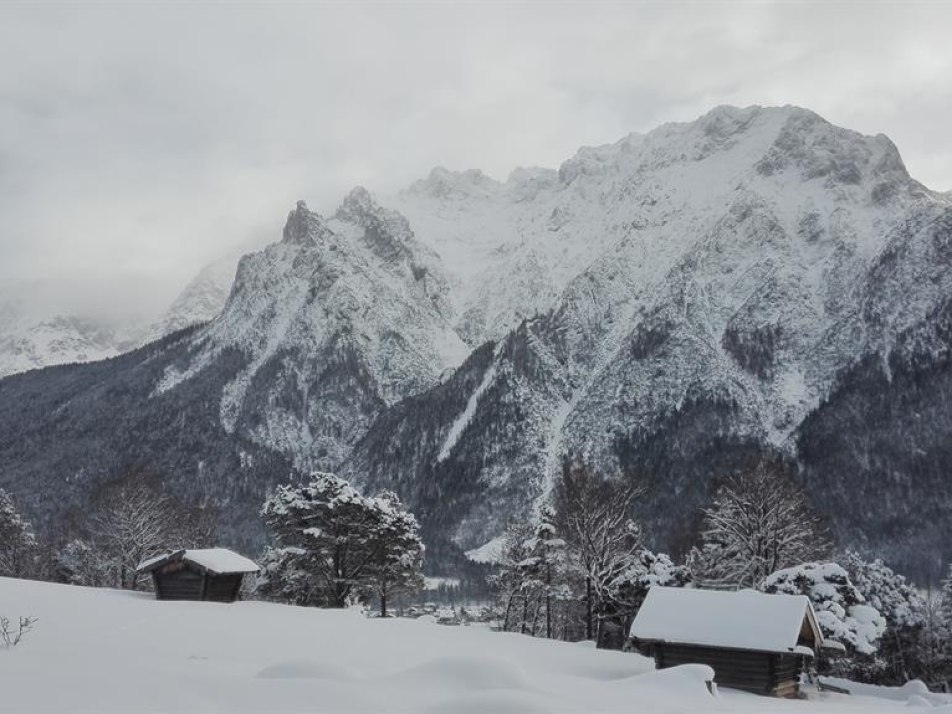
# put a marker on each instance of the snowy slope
(107, 651)
(201, 300)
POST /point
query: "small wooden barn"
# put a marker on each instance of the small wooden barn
(755, 642)
(205, 574)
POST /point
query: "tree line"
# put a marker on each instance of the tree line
(331, 547)
(579, 571)
(583, 570)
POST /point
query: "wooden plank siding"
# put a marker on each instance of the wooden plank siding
(751, 671)
(179, 581)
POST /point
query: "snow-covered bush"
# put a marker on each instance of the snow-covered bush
(841, 610)
(337, 546)
(897, 601)
(904, 651)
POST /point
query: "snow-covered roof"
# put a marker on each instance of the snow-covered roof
(738, 620)
(215, 560)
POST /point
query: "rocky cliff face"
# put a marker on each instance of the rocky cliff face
(742, 262)
(662, 306)
(343, 317)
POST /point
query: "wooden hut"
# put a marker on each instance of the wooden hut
(755, 642)
(207, 574)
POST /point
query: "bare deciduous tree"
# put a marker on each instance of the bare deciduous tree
(134, 518)
(759, 523)
(593, 517)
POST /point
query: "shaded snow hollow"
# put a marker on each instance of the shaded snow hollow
(107, 652)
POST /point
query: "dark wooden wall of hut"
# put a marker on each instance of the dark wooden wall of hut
(757, 672)
(178, 581)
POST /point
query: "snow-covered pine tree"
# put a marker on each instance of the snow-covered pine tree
(17, 541)
(899, 658)
(283, 577)
(345, 545)
(627, 591)
(842, 612)
(399, 563)
(759, 522)
(547, 567)
(593, 517)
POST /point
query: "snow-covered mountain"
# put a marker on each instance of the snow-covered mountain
(662, 306)
(343, 317)
(30, 339)
(728, 270)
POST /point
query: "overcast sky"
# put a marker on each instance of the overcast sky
(139, 142)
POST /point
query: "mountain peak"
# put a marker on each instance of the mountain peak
(443, 183)
(302, 225)
(358, 204)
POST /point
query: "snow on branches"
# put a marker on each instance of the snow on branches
(337, 545)
(17, 542)
(760, 522)
(841, 610)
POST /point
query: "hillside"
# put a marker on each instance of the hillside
(110, 651)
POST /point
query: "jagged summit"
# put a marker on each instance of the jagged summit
(303, 227)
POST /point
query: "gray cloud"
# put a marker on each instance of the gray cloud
(139, 142)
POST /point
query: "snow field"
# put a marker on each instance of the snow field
(107, 651)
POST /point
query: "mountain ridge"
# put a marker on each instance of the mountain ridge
(661, 306)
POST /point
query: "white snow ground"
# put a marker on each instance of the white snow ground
(106, 651)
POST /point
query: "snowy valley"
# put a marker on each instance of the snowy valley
(113, 651)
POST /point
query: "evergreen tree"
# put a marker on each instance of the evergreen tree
(530, 577)
(398, 568)
(760, 522)
(901, 651)
(628, 590)
(347, 546)
(17, 542)
(284, 577)
(841, 610)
